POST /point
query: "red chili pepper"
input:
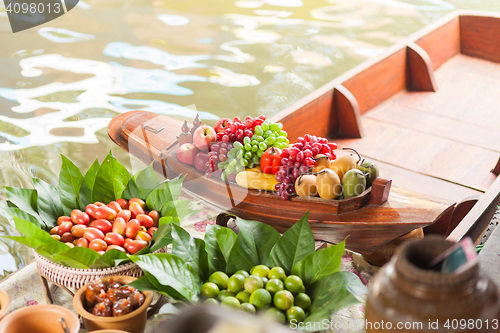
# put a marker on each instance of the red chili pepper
(271, 160)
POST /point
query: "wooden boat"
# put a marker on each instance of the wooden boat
(410, 110)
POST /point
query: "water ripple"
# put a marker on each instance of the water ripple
(59, 35)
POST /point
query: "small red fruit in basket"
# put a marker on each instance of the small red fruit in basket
(119, 226)
(82, 218)
(115, 247)
(221, 125)
(136, 245)
(64, 228)
(67, 237)
(78, 230)
(139, 201)
(123, 203)
(125, 214)
(93, 233)
(104, 212)
(115, 206)
(270, 161)
(82, 242)
(104, 225)
(203, 136)
(98, 245)
(74, 214)
(62, 219)
(133, 227)
(135, 209)
(145, 220)
(155, 216)
(113, 238)
(144, 236)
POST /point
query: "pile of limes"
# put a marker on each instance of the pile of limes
(281, 297)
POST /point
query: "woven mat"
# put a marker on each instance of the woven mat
(25, 288)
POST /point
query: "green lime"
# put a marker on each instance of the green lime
(283, 300)
(243, 296)
(276, 315)
(209, 290)
(260, 270)
(244, 273)
(223, 294)
(220, 279)
(294, 284)
(211, 301)
(261, 298)
(295, 315)
(277, 273)
(247, 307)
(235, 283)
(303, 300)
(231, 302)
(252, 283)
(274, 285)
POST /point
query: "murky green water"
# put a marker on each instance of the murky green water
(61, 83)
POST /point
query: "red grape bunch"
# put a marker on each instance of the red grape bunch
(236, 130)
(298, 159)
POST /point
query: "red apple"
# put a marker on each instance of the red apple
(221, 125)
(201, 161)
(203, 136)
(186, 153)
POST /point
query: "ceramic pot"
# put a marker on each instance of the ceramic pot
(4, 304)
(133, 322)
(40, 319)
(404, 296)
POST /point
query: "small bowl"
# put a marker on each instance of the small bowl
(133, 322)
(4, 304)
(40, 319)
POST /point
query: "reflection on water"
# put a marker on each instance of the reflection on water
(61, 83)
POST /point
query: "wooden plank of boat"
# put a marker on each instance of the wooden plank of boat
(368, 225)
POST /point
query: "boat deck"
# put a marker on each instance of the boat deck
(442, 143)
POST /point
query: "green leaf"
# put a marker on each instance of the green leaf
(14, 211)
(109, 259)
(216, 260)
(169, 309)
(87, 185)
(143, 284)
(49, 250)
(23, 198)
(264, 236)
(332, 293)
(192, 250)
(243, 254)
(226, 239)
(170, 274)
(80, 257)
(49, 203)
(179, 208)
(295, 244)
(34, 237)
(162, 237)
(167, 191)
(70, 180)
(141, 184)
(110, 181)
(320, 264)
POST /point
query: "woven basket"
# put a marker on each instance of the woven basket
(75, 278)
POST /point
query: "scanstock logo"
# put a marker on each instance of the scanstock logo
(26, 14)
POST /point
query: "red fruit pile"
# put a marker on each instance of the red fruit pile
(236, 130)
(122, 225)
(297, 160)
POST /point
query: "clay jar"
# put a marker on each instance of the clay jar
(404, 296)
(133, 322)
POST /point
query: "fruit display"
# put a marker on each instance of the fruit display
(283, 298)
(257, 154)
(111, 298)
(121, 225)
